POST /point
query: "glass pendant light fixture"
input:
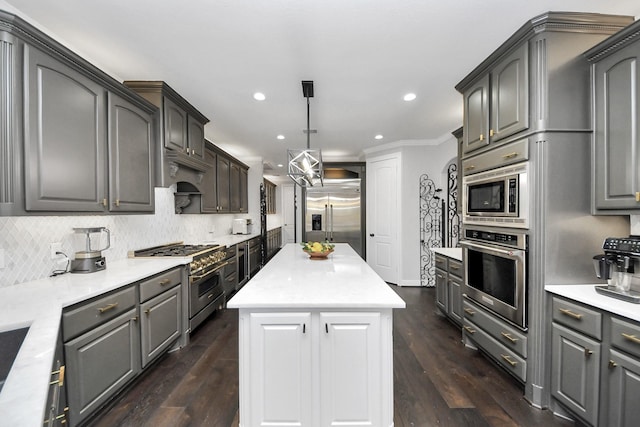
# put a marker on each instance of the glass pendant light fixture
(305, 166)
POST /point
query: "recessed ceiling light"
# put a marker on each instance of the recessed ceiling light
(280, 165)
(410, 97)
(379, 136)
(259, 96)
(280, 136)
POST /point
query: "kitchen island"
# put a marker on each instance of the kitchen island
(316, 344)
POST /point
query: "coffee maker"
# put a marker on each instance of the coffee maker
(618, 265)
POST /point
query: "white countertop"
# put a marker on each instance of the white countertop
(292, 280)
(587, 294)
(455, 253)
(39, 305)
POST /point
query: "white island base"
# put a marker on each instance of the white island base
(316, 345)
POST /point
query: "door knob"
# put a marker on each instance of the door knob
(371, 235)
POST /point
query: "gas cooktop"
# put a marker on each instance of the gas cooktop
(174, 249)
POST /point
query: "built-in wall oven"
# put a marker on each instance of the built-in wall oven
(495, 265)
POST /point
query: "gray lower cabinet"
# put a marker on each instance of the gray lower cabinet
(160, 313)
(616, 96)
(255, 257)
(595, 364)
(449, 287)
(575, 374)
(100, 362)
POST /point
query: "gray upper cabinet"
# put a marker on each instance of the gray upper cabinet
(209, 199)
(72, 132)
(224, 189)
(131, 160)
(181, 132)
(496, 105)
(616, 97)
(65, 149)
(223, 177)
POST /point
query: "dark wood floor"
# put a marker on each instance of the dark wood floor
(438, 382)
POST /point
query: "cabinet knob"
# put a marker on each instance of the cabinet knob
(612, 364)
(117, 203)
(481, 137)
(491, 132)
(588, 352)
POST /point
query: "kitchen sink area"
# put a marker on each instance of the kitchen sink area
(10, 343)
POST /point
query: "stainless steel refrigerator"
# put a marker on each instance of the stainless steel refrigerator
(333, 213)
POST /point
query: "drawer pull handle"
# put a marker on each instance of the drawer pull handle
(440, 276)
(147, 311)
(509, 337)
(587, 352)
(637, 196)
(631, 338)
(469, 311)
(60, 380)
(470, 330)
(612, 364)
(209, 296)
(507, 359)
(108, 307)
(165, 282)
(469, 168)
(454, 267)
(510, 155)
(135, 319)
(570, 313)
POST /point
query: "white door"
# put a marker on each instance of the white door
(350, 370)
(288, 214)
(382, 217)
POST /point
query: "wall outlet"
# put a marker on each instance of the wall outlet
(53, 248)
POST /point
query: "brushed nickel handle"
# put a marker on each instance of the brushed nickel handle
(507, 359)
(468, 329)
(612, 364)
(570, 313)
(108, 307)
(631, 338)
(510, 155)
(469, 311)
(509, 337)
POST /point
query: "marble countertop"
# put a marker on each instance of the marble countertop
(587, 294)
(38, 305)
(455, 253)
(292, 280)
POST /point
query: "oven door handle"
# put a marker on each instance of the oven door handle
(492, 250)
(195, 278)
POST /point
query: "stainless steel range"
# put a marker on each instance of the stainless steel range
(205, 272)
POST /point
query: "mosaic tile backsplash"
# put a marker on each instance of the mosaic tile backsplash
(25, 241)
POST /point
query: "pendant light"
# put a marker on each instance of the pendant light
(305, 166)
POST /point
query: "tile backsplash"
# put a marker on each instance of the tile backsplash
(25, 241)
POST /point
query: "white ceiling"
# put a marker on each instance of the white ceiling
(363, 56)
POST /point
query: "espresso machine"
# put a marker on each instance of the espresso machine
(617, 265)
(90, 259)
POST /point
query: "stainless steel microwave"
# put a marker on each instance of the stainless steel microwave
(498, 197)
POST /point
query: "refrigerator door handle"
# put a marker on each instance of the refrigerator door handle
(326, 219)
(331, 235)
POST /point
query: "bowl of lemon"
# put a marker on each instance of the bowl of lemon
(318, 250)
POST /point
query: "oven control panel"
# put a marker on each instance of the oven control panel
(515, 240)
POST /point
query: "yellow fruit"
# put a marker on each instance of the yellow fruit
(316, 247)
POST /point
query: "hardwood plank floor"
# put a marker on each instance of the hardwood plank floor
(438, 382)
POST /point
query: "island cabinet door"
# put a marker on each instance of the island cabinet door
(279, 393)
(351, 370)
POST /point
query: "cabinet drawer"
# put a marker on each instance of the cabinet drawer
(577, 317)
(231, 267)
(507, 335)
(508, 359)
(441, 262)
(625, 336)
(455, 267)
(158, 284)
(87, 315)
(514, 152)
